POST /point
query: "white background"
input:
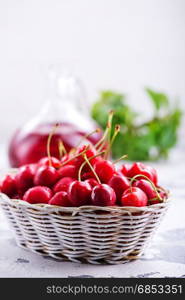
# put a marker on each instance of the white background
(116, 44)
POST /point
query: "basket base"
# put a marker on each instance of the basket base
(134, 255)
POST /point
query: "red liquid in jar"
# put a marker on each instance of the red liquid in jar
(29, 147)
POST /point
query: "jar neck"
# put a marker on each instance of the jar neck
(65, 90)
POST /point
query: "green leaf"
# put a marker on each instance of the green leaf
(108, 101)
(159, 99)
(147, 141)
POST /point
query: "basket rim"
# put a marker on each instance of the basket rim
(54, 208)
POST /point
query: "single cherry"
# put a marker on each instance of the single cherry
(79, 193)
(46, 176)
(124, 169)
(38, 194)
(154, 173)
(92, 182)
(141, 169)
(60, 199)
(49, 161)
(103, 195)
(16, 196)
(67, 159)
(163, 195)
(24, 178)
(119, 183)
(134, 196)
(146, 187)
(8, 185)
(68, 171)
(88, 175)
(63, 184)
(105, 170)
(90, 152)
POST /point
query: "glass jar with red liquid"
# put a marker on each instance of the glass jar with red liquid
(66, 107)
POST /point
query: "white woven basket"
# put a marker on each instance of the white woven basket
(83, 234)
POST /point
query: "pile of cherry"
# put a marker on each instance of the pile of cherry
(84, 177)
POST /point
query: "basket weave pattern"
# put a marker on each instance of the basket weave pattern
(89, 233)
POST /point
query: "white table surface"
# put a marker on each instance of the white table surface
(164, 258)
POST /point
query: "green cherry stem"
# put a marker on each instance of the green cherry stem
(116, 131)
(122, 157)
(98, 144)
(107, 132)
(92, 169)
(61, 148)
(97, 130)
(85, 162)
(152, 184)
(49, 143)
(109, 125)
(75, 156)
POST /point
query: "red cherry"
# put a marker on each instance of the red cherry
(65, 158)
(88, 175)
(68, 171)
(154, 173)
(24, 178)
(46, 176)
(45, 161)
(79, 193)
(38, 194)
(141, 169)
(16, 196)
(92, 182)
(146, 187)
(163, 196)
(8, 185)
(134, 197)
(91, 151)
(60, 199)
(105, 170)
(103, 195)
(63, 184)
(119, 184)
(124, 169)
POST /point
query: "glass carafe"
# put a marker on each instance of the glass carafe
(66, 106)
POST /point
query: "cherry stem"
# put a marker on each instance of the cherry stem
(102, 139)
(107, 130)
(85, 162)
(122, 157)
(92, 169)
(49, 143)
(61, 148)
(153, 199)
(73, 150)
(102, 145)
(109, 125)
(116, 131)
(75, 156)
(97, 130)
(151, 182)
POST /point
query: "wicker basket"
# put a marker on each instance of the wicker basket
(83, 234)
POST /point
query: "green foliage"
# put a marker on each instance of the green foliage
(159, 99)
(148, 141)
